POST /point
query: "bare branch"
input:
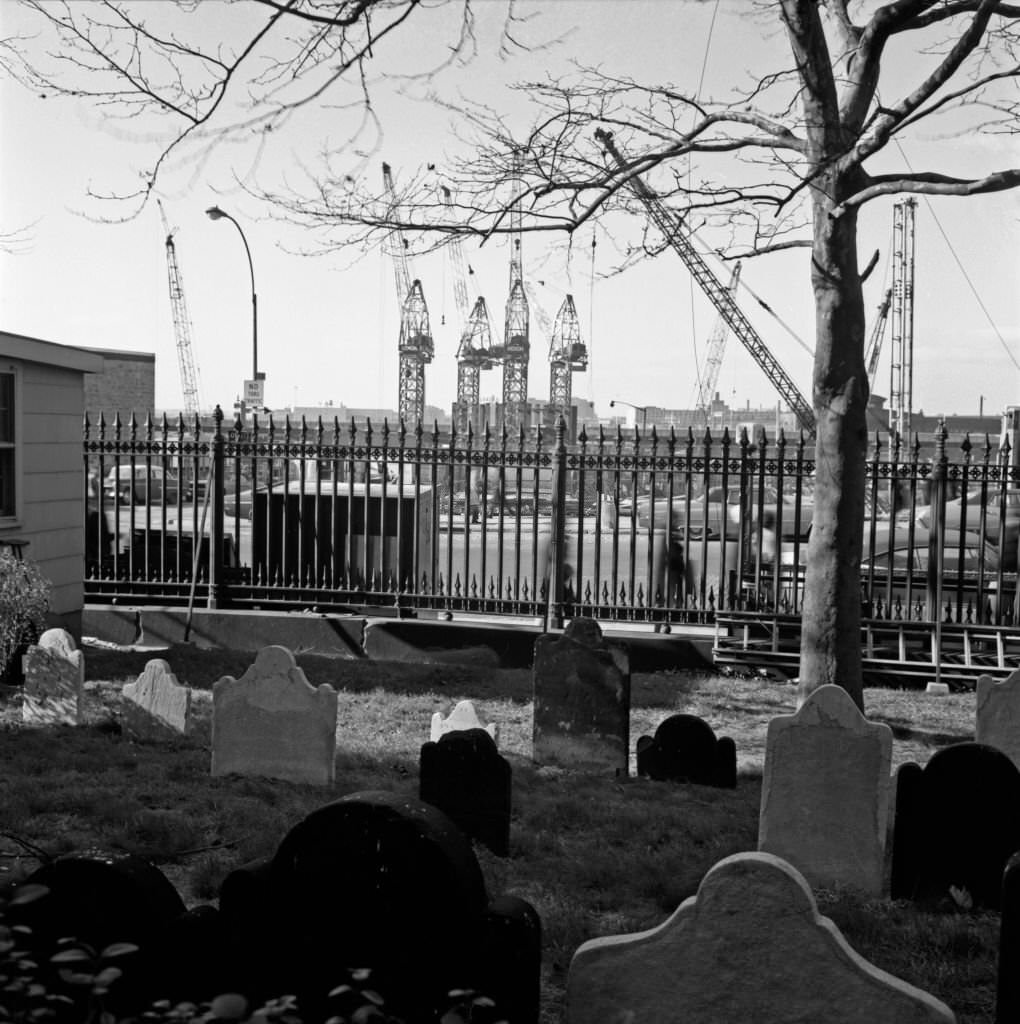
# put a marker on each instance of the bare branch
(930, 183)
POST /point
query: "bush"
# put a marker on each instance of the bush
(24, 601)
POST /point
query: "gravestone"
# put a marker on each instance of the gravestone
(685, 749)
(750, 946)
(272, 722)
(464, 776)
(54, 681)
(825, 792)
(1007, 1000)
(463, 716)
(156, 706)
(388, 883)
(998, 714)
(581, 700)
(957, 824)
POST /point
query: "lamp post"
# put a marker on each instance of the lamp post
(215, 213)
(643, 409)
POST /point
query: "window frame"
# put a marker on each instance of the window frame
(13, 518)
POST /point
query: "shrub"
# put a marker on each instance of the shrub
(24, 601)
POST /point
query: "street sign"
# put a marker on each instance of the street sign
(254, 394)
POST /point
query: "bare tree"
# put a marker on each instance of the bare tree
(788, 162)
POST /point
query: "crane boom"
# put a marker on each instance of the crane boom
(714, 355)
(516, 328)
(671, 227)
(396, 247)
(877, 335)
(182, 323)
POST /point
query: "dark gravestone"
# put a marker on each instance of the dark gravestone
(581, 700)
(685, 749)
(104, 899)
(464, 776)
(957, 823)
(379, 881)
(1007, 1001)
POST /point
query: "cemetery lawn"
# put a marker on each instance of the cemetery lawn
(595, 856)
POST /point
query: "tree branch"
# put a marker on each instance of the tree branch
(930, 183)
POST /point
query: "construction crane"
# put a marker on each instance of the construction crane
(671, 226)
(714, 354)
(182, 323)
(901, 386)
(516, 329)
(415, 346)
(874, 349)
(567, 354)
(475, 351)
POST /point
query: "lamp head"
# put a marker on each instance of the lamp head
(612, 403)
(214, 213)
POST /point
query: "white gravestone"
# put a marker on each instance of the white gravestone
(156, 705)
(54, 681)
(825, 792)
(272, 722)
(998, 714)
(463, 716)
(750, 946)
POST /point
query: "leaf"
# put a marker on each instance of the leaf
(118, 949)
(70, 956)
(229, 1006)
(108, 975)
(26, 894)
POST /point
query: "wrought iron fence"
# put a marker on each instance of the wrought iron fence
(631, 527)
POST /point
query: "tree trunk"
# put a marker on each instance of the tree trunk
(831, 617)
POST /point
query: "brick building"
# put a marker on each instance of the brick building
(127, 384)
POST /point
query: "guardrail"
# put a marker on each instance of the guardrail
(623, 527)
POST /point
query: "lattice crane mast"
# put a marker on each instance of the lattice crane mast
(671, 225)
(714, 354)
(567, 354)
(877, 336)
(516, 328)
(901, 386)
(475, 351)
(415, 346)
(182, 323)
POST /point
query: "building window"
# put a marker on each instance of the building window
(7, 439)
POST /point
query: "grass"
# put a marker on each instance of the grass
(594, 856)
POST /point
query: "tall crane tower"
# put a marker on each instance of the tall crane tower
(567, 354)
(672, 228)
(714, 354)
(874, 349)
(516, 329)
(182, 323)
(415, 346)
(901, 386)
(475, 351)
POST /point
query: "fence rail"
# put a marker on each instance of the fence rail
(622, 527)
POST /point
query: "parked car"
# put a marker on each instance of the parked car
(971, 520)
(135, 485)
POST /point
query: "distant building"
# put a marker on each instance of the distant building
(126, 385)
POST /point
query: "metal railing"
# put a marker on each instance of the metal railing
(625, 527)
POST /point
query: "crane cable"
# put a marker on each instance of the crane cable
(591, 322)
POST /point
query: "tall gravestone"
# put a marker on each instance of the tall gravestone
(464, 776)
(54, 681)
(156, 706)
(388, 883)
(1007, 999)
(825, 792)
(997, 721)
(581, 700)
(685, 749)
(750, 946)
(272, 722)
(957, 824)
(463, 716)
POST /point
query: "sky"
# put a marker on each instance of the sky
(328, 325)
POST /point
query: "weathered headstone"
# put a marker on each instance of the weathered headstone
(750, 946)
(957, 823)
(463, 716)
(54, 681)
(685, 749)
(389, 883)
(1007, 1001)
(998, 714)
(273, 722)
(464, 776)
(581, 700)
(156, 706)
(825, 792)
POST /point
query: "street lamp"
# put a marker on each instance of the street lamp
(215, 213)
(643, 409)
